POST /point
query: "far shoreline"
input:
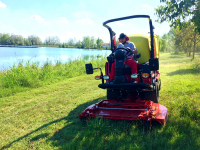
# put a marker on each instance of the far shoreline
(18, 46)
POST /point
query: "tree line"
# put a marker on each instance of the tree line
(185, 22)
(32, 40)
(6, 39)
(87, 43)
(180, 40)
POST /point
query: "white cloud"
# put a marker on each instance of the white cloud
(160, 30)
(146, 6)
(120, 24)
(7, 28)
(85, 21)
(36, 17)
(63, 18)
(62, 21)
(2, 5)
(87, 14)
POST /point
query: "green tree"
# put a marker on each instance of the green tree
(16, 39)
(170, 40)
(21, 41)
(177, 11)
(92, 42)
(35, 40)
(79, 44)
(86, 42)
(63, 45)
(13, 42)
(187, 39)
(52, 40)
(26, 42)
(165, 36)
(60, 45)
(193, 38)
(162, 44)
(5, 39)
(95, 46)
(99, 43)
(71, 42)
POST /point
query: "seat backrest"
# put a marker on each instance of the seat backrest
(142, 43)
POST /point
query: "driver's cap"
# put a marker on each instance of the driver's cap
(122, 35)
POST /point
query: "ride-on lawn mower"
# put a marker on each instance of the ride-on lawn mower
(136, 99)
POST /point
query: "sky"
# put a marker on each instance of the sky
(77, 18)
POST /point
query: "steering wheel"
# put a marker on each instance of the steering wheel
(127, 49)
(136, 56)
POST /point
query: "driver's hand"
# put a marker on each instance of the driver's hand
(134, 50)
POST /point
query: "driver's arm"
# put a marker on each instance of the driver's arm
(134, 50)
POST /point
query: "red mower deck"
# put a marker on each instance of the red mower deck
(139, 110)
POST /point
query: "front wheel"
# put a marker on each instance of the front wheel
(147, 126)
(151, 95)
(155, 96)
(159, 84)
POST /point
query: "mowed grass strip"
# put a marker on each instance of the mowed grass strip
(32, 109)
(47, 117)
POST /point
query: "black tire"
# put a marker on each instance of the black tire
(155, 94)
(147, 125)
(84, 120)
(159, 84)
(111, 94)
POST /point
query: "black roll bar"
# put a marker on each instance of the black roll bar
(131, 17)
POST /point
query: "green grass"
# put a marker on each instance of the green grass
(25, 77)
(47, 117)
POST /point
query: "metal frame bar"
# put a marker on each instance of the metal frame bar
(131, 17)
(120, 108)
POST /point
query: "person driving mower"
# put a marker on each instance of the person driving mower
(123, 38)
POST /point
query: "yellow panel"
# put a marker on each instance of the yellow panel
(143, 45)
(156, 46)
(141, 42)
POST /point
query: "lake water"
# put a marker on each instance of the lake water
(10, 56)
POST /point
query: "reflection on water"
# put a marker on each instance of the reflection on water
(10, 56)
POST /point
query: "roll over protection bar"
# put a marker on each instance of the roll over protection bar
(130, 17)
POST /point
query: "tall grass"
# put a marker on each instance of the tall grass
(23, 77)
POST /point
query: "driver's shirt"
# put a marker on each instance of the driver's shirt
(130, 45)
(131, 63)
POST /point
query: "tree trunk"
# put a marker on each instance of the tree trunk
(185, 50)
(194, 48)
(176, 51)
